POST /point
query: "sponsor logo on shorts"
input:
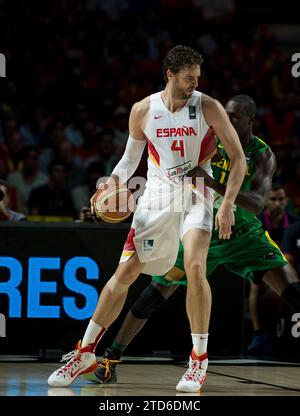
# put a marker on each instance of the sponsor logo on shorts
(148, 245)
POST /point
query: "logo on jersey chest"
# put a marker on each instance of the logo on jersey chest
(176, 132)
(192, 112)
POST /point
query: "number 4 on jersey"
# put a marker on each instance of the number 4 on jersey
(179, 147)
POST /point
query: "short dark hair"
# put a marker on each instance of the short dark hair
(179, 57)
(276, 186)
(249, 106)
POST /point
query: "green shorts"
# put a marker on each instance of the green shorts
(250, 249)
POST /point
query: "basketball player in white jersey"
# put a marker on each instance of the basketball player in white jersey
(173, 123)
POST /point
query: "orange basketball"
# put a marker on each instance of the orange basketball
(113, 204)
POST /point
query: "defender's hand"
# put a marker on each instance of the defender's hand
(198, 172)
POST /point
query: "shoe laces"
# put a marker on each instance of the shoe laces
(73, 359)
(106, 363)
(195, 370)
(69, 356)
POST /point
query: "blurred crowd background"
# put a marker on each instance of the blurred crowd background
(74, 69)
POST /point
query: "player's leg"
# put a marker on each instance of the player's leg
(264, 312)
(113, 295)
(279, 275)
(255, 295)
(198, 299)
(149, 301)
(198, 305)
(151, 298)
(285, 282)
(253, 250)
(111, 301)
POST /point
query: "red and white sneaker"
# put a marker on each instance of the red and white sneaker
(195, 376)
(80, 361)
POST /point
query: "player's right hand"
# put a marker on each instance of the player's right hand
(224, 221)
(100, 188)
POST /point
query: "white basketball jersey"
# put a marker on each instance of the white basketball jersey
(174, 139)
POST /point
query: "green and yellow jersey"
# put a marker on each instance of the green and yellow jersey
(221, 170)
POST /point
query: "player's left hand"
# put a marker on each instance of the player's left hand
(224, 221)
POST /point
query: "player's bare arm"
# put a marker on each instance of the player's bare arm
(216, 117)
(255, 199)
(138, 118)
(134, 148)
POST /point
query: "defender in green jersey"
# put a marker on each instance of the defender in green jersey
(249, 249)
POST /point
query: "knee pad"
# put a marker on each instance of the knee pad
(149, 300)
(291, 295)
(115, 286)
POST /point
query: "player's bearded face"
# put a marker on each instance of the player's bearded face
(185, 82)
(180, 91)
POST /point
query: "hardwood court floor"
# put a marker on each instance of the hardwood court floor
(230, 379)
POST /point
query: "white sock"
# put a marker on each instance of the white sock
(93, 334)
(199, 343)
